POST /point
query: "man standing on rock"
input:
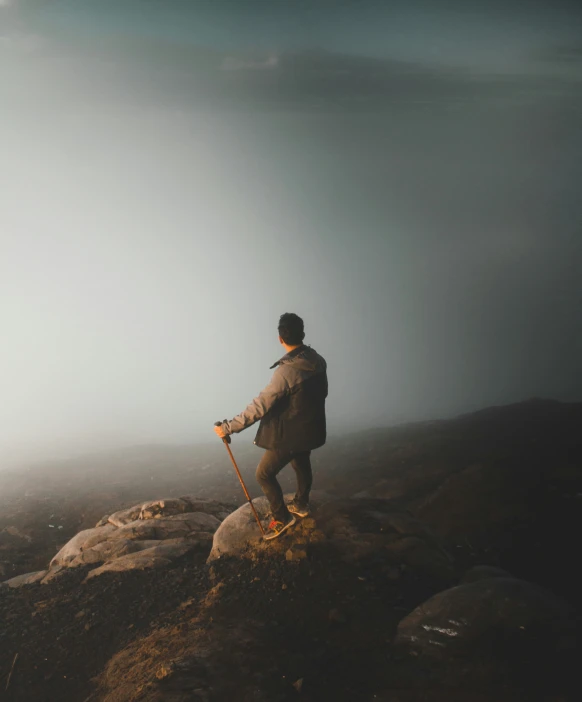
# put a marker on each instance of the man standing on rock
(292, 413)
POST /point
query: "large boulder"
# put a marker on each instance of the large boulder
(493, 629)
(239, 534)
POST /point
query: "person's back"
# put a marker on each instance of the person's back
(297, 421)
(291, 410)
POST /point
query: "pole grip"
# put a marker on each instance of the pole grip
(226, 439)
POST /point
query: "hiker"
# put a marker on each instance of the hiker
(292, 413)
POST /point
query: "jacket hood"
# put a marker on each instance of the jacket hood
(303, 356)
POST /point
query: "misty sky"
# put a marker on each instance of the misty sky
(174, 175)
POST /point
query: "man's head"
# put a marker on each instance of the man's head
(291, 329)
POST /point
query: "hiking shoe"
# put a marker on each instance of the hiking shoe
(276, 528)
(294, 508)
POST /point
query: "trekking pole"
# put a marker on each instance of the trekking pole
(226, 442)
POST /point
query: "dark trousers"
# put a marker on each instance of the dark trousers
(272, 463)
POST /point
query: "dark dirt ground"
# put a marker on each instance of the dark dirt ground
(65, 633)
(323, 621)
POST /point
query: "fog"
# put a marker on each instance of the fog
(159, 211)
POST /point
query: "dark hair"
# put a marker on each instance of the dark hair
(291, 329)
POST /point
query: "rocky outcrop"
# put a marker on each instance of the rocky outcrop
(351, 529)
(147, 535)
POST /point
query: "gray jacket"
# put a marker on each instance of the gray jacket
(291, 408)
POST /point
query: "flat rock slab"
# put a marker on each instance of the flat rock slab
(134, 561)
(108, 550)
(155, 557)
(26, 579)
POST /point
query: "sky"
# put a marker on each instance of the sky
(175, 175)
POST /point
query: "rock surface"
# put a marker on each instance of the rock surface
(490, 629)
(81, 542)
(160, 554)
(239, 534)
(467, 613)
(26, 579)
